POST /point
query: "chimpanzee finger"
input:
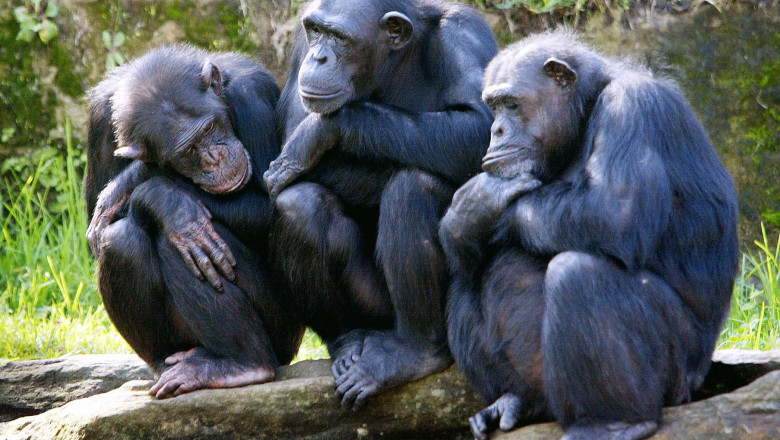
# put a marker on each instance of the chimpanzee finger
(217, 257)
(205, 266)
(366, 392)
(223, 247)
(169, 388)
(184, 251)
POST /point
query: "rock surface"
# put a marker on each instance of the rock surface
(749, 413)
(31, 387)
(302, 404)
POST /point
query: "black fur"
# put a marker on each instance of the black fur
(598, 297)
(153, 298)
(357, 240)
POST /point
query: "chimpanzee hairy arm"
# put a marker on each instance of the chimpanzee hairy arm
(250, 97)
(449, 141)
(619, 204)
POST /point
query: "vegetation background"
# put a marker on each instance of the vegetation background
(726, 56)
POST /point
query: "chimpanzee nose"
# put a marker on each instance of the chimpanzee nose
(211, 158)
(498, 129)
(321, 58)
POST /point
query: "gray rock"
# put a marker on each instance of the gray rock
(749, 413)
(31, 387)
(302, 404)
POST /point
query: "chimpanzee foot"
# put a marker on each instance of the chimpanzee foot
(611, 431)
(386, 362)
(196, 369)
(346, 350)
(504, 413)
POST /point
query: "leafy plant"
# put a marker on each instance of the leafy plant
(112, 43)
(35, 17)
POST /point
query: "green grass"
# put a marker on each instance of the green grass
(754, 321)
(49, 304)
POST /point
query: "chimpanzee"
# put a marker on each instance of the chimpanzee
(381, 118)
(594, 259)
(180, 232)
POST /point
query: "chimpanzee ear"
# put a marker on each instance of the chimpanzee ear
(134, 150)
(398, 27)
(212, 77)
(561, 72)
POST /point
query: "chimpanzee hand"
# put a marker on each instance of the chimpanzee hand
(313, 137)
(481, 200)
(111, 200)
(186, 223)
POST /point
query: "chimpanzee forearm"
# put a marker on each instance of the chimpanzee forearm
(465, 249)
(247, 212)
(613, 218)
(449, 143)
(123, 184)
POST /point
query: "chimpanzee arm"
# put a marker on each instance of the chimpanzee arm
(449, 143)
(468, 225)
(111, 199)
(618, 206)
(186, 223)
(247, 212)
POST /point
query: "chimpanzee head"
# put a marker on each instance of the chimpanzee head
(169, 110)
(540, 91)
(348, 44)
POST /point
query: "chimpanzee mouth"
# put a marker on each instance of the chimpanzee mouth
(319, 95)
(245, 178)
(495, 157)
(234, 184)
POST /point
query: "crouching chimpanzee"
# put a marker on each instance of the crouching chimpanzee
(598, 296)
(180, 232)
(382, 119)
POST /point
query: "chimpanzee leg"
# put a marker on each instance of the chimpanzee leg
(496, 340)
(414, 267)
(327, 264)
(134, 294)
(234, 348)
(614, 347)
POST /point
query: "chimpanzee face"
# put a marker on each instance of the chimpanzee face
(346, 47)
(534, 117)
(211, 155)
(181, 123)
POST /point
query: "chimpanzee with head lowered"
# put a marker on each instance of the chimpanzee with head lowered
(593, 261)
(180, 137)
(381, 119)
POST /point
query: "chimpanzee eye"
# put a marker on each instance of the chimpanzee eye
(209, 128)
(511, 106)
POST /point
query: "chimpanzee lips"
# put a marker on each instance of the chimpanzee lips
(319, 94)
(493, 157)
(235, 183)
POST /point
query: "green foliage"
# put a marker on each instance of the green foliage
(49, 303)
(754, 322)
(112, 43)
(35, 18)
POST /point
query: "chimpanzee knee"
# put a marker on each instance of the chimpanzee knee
(605, 341)
(129, 263)
(300, 203)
